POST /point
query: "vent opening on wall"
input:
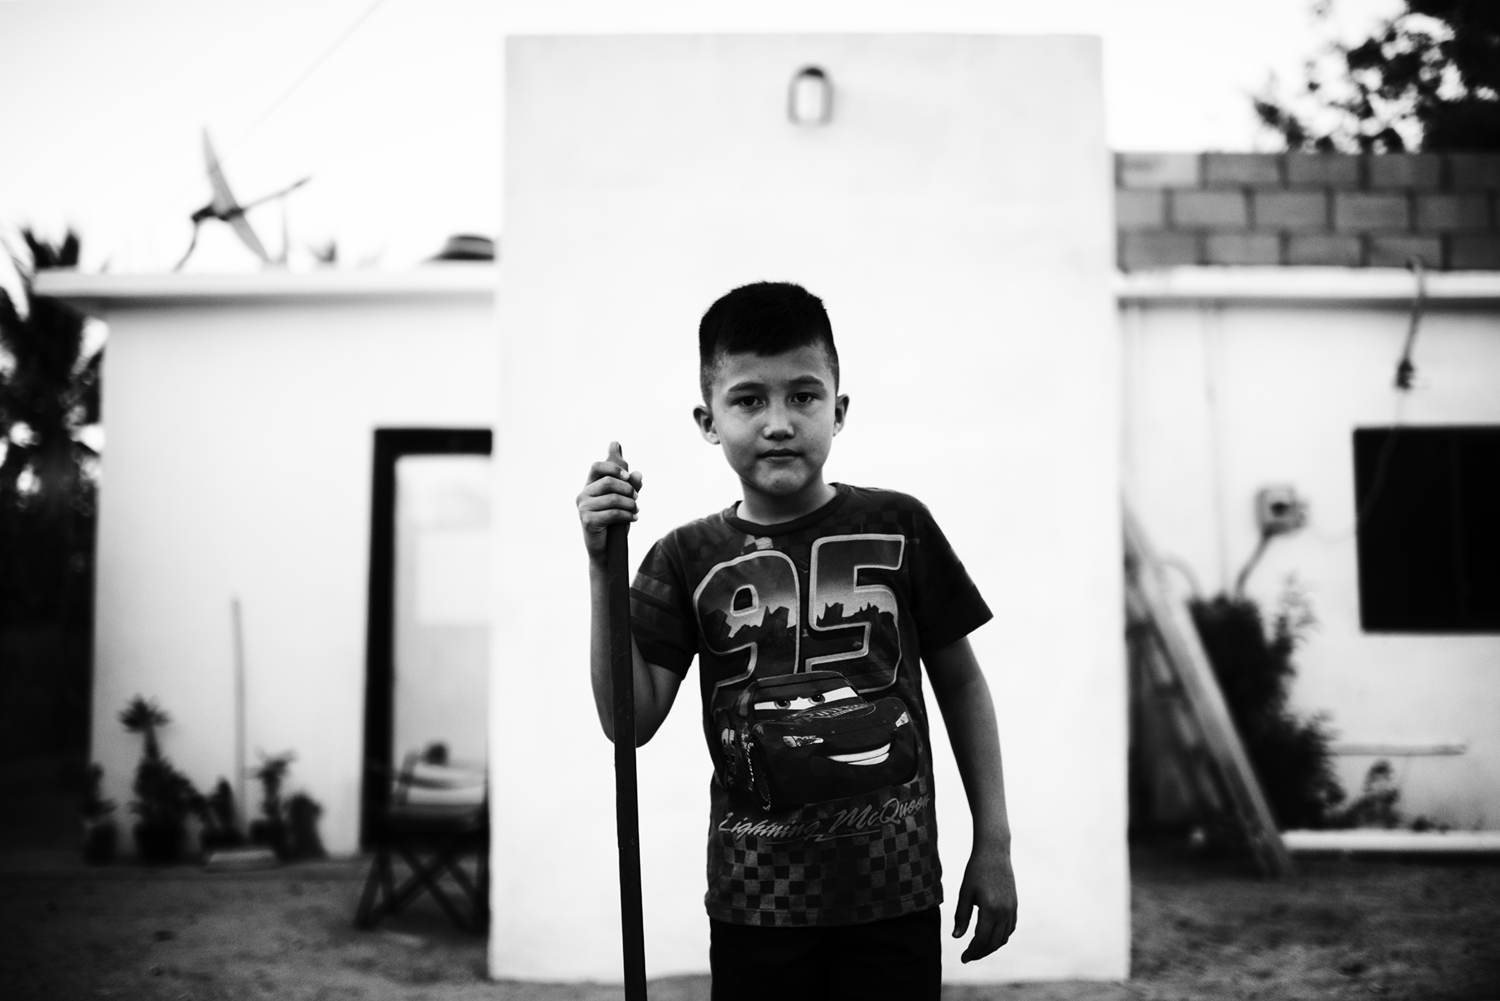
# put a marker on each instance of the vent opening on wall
(810, 101)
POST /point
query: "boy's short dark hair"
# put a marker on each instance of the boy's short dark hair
(763, 318)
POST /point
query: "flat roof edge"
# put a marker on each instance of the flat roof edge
(107, 292)
(1304, 286)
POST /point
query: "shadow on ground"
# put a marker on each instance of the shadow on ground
(1340, 929)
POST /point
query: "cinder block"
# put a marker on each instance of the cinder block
(1159, 170)
(1396, 251)
(1141, 251)
(1360, 213)
(1473, 171)
(1474, 253)
(1144, 209)
(1254, 170)
(1295, 211)
(1216, 209)
(1338, 170)
(1421, 171)
(1325, 249)
(1453, 213)
(1242, 248)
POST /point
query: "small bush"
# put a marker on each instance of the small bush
(164, 798)
(1254, 668)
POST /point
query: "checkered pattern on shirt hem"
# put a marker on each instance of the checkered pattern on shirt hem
(844, 880)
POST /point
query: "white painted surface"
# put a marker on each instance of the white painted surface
(1224, 397)
(956, 218)
(442, 605)
(239, 463)
(1394, 842)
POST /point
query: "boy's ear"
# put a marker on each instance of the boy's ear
(840, 411)
(704, 418)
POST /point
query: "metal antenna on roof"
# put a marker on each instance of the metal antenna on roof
(224, 208)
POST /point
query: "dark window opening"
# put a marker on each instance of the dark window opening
(1429, 529)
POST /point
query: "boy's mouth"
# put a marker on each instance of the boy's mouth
(779, 453)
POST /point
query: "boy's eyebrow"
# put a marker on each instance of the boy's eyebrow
(801, 380)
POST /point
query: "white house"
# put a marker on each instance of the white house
(307, 449)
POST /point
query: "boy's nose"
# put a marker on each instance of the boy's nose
(778, 423)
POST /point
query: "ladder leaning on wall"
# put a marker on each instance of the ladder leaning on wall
(1173, 666)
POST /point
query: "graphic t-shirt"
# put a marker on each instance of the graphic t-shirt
(809, 636)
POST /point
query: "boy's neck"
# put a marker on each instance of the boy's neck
(768, 509)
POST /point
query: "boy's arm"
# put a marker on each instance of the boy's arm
(655, 686)
(609, 498)
(969, 715)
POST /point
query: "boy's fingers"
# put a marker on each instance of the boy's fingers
(617, 455)
(962, 913)
(616, 516)
(984, 937)
(609, 485)
(608, 502)
(608, 470)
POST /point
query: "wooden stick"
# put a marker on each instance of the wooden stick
(241, 818)
(627, 811)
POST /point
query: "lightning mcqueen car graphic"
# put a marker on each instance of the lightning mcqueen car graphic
(806, 738)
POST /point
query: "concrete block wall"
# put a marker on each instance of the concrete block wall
(1295, 209)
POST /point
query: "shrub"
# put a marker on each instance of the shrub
(163, 796)
(1254, 668)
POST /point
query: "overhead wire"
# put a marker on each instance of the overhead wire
(302, 78)
(282, 99)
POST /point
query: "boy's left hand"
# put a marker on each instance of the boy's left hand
(989, 885)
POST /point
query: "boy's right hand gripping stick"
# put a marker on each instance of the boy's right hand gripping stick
(627, 815)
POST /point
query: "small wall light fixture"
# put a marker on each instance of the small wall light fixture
(810, 100)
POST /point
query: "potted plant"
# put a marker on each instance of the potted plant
(303, 841)
(218, 816)
(100, 834)
(271, 829)
(163, 796)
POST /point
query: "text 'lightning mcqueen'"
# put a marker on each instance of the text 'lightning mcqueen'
(806, 738)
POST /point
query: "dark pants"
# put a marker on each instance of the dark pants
(897, 958)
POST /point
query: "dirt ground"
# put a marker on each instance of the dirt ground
(1340, 929)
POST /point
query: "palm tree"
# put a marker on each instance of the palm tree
(49, 393)
(145, 718)
(163, 796)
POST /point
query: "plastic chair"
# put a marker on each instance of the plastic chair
(438, 814)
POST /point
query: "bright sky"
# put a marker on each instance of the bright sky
(400, 126)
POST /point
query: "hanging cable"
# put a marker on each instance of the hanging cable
(1405, 374)
(303, 78)
(1405, 370)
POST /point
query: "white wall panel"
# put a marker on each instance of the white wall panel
(956, 218)
(1225, 399)
(239, 464)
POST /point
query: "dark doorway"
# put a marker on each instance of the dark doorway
(419, 480)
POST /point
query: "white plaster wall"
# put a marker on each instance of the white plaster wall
(442, 606)
(956, 218)
(1222, 400)
(239, 463)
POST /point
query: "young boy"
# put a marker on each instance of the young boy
(809, 606)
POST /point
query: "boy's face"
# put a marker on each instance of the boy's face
(775, 416)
